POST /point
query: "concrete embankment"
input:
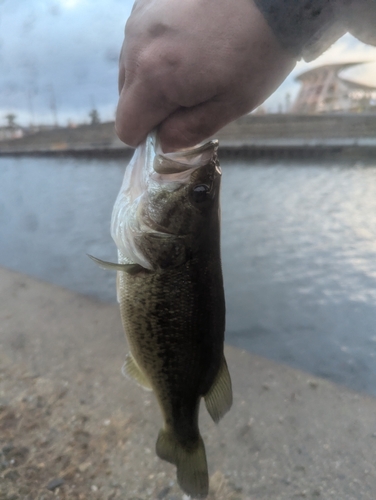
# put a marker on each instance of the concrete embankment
(71, 427)
(256, 136)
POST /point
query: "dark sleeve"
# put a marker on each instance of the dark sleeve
(308, 27)
(361, 16)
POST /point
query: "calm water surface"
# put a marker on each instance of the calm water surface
(298, 245)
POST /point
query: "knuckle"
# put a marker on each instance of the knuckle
(178, 137)
(125, 134)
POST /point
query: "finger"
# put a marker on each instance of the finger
(187, 127)
(140, 109)
(121, 75)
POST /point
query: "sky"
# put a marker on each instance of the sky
(58, 60)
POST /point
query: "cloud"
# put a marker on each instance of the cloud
(62, 50)
(65, 52)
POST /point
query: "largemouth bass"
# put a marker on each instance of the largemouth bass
(166, 225)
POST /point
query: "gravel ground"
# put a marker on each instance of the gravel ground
(71, 427)
(54, 444)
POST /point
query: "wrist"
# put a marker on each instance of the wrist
(361, 20)
(305, 28)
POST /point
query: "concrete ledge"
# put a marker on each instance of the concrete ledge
(68, 416)
(252, 136)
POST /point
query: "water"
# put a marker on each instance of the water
(299, 251)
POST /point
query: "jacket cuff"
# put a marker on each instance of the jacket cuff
(361, 20)
(306, 28)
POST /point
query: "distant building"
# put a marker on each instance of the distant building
(8, 133)
(323, 90)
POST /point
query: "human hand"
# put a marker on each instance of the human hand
(194, 66)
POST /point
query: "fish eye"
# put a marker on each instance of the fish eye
(200, 192)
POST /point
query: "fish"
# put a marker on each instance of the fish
(166, 226)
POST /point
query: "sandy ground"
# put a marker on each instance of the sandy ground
(72, 427)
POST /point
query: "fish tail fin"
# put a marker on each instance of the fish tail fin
(192, 468)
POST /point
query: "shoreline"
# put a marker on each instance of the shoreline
(348, 150)
(252, 136)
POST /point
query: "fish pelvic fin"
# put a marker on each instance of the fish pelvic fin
(218, 399)
(192, 468)
(127, 268)
(131, 370)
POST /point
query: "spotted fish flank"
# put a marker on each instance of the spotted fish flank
(166, 225)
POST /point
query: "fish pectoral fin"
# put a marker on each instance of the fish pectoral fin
(218, 399)
(192, 468)
(118, 290)
(131, 370)
(127, 268)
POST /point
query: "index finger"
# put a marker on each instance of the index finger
(142, 106)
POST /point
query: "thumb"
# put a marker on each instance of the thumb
(187, 127)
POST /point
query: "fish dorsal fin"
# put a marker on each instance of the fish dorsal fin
(218, 399)
(127, 268)
(131, 370)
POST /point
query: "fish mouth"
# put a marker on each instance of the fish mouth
(185, 159)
